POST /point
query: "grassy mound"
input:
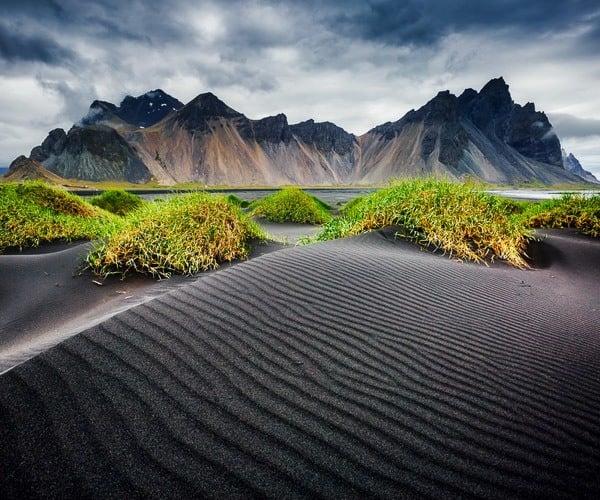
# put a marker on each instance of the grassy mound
(117, 201)
(34, 212)
(291, 205)
(570, 210)
(182, 235)
(453, 218)
(237, 201)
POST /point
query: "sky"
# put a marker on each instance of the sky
(355, 63)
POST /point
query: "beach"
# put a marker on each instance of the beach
(359, 367)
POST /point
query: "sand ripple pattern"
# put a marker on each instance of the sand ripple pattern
(350, 369)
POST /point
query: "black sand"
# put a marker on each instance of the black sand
(355, 368)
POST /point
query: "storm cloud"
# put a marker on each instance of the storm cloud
(355, 63)
(18, 47)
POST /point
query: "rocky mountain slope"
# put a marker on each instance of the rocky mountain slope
(480, 134)
(572, 165)
(23, 168)
(477, 134)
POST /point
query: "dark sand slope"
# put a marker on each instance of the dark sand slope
(44, 298)
(351, 368)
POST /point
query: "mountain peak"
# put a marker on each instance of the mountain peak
(211, 105)
(572, 165)
(147, 109)
(205, 107)
(142, 111)
(157, 93)
(497, 93)
(495, 85)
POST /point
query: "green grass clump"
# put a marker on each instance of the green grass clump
(348, 205)
(34, 212)
(237, 201)
(117, 201)
(321, 203)
(183, 235)
(291, 205)
(570, 210)
(454, 218)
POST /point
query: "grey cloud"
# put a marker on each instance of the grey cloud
(45, 9)
(232, 74)
(15, 46)
(424, 22)
(570, 126)
(76, 99)
(106, 28)
(150, 22)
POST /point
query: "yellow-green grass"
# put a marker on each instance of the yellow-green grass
(32, 213)
(456, 219)
(117, 201)
(570, 210)
(291, 205)
(182, 235)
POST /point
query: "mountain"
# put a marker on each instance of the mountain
(23, 168)
(207, 141)
(482, 134)
(572, 165)
(94, 152)
(142, 111)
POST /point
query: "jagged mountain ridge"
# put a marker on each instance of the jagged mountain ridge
(482, 134)
(478, 134)
(572, 165)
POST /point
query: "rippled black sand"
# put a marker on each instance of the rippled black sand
(358, 367)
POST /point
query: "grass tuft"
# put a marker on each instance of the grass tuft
(237, 201)
(33, 213)
(570, 210)
(117, 201)
(291, 205)
(454, 218)
(183, 235)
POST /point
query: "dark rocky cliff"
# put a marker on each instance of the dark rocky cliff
(54, 144)
(325, 136)
(528, 131)
(272, 129)
(92, 153)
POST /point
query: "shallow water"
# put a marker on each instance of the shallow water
(534, 194)
(333, 197)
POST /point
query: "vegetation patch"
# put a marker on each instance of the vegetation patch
(34, 212)
(117, 201)
(570, 210)
(237, 201)
(182, 235)
(291, 205)
(454, 218)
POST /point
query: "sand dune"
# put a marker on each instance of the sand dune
(353, 368)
